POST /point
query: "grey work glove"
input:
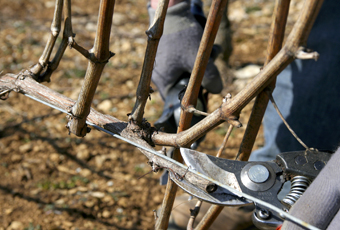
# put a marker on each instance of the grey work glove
(319, 205)
(178, 48)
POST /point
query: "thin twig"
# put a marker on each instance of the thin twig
(66, 40)
(225, 140)
(55, 29)
(193, 214)
(81, 50)
(305, 55)
(192, 109)
(285, 122)
(234, 121)
(155, 214)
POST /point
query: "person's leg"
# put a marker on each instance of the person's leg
(283, 96)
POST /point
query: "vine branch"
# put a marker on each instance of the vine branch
(101, 53)
(144, 90)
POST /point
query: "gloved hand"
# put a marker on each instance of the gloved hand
(319, 205)
(178, 48)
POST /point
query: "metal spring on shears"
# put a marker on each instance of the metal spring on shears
(298, 187)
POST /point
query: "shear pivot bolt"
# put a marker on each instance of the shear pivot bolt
(210, 188)
(258, 173)
(264, 214)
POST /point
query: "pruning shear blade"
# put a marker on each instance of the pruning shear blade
(209, 192)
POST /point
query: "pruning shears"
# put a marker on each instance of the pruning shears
(262, 180)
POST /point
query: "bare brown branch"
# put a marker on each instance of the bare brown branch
(100, 50)
(190, 97)
(154, 33)
(276, 37)
(55, 29)
(66, 40)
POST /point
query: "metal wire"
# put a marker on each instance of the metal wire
(285, 122)
(282, 213)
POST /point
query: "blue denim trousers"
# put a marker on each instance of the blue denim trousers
(308, 94)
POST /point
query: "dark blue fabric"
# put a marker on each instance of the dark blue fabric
(315, 112)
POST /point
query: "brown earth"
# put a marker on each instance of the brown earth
(52, 180)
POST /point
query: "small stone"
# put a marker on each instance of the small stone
(119, 210)
(88, 224)
(113, 144)
(72, 191)
(35, 192)
(16, 158)
(15, 225)
(90, 203)
(123, 202)
(54, 157)
(64, 169)
(91, 26)
(100, 160)
(82, 189)
(25, 148)
(106, 214)
(49, 4)
(82, 146)
(75, 93)
(113, 156)
(118, 18)
(130, 84)
(83, 154)
(59, 202)
(56, 224)
(8, 211)
(110, 190)
(105, 106)
(98, 194)
(238, 13)
(247, 72)
(67, 224)
(158, 198)
(85, 172)
(126, 46)
(107, 199)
